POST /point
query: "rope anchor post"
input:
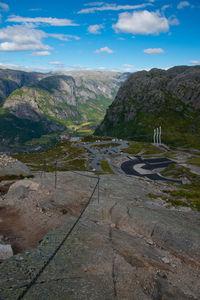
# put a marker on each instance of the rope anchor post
(98, 188)
(55, 174)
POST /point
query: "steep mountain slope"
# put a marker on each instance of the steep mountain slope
(67, 100)
(11, 80)
(58, 102)
(170, 99)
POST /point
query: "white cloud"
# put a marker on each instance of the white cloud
(164, 7)
(113, 7)
(173, 21)
(4, 6)
(102, 68)
(39, 20)
(195, 62)
(141, 22)
(22, 38)
(78, 67)
(127, 66)
(9, 66)
(35, 9)
(40, 53)
(183, 4)
(63, 37)
(54, 63)
(94, 4)
(154, 51)
(104, 50)
(95, 29)
(129, 70)
(57, 64)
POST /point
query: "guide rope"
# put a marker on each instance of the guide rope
(34, 279)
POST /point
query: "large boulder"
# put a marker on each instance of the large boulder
(10, 166)
(5, 252)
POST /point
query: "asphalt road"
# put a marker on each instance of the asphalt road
(149, 164)
(98, 156)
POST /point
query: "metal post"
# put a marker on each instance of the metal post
(157, 136)
(43, 169)
(98, 187)
(154, 136)
(160, 136)
(55, 174)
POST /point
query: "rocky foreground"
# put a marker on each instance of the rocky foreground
(124, 247)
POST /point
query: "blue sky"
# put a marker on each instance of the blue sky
(122, 35)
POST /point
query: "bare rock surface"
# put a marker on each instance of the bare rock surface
(5, 251)
(11, 166)
(124, 247)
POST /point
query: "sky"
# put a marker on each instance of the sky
(125, 36)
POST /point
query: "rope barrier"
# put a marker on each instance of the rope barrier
(32, 282)
(95, 177)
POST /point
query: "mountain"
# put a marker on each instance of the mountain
(40, 104)
(146, 100)
(11, 80)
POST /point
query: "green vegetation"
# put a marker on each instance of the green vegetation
(106, 168)
(93, 138)
(18, 92)
(194, 161)
(105, 145)
(46, 140)
(14, 177)
(189, 192)
(80, 119)
(94, 111)
(136, 147)
(18, 130)
(67, 156)
(180, 125)
(176, 202)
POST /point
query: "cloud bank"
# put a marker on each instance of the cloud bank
(153, 51)
(39, 20)
(22, 38)
(141, 22)
(104, 50)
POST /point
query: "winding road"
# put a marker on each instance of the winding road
(137, 167)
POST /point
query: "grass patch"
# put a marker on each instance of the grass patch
(68, 157)
(14, 177)
(153, 196)
(194, 161)
(93, 138)
(106, 168)
(189, 192)
(137, 147)
(176, 202)
(64, 211)
(105, 145)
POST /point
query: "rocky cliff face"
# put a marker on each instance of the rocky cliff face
(11, 80)
(170, 99)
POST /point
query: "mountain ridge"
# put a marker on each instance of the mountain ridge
(57, 101)
(149, 99)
